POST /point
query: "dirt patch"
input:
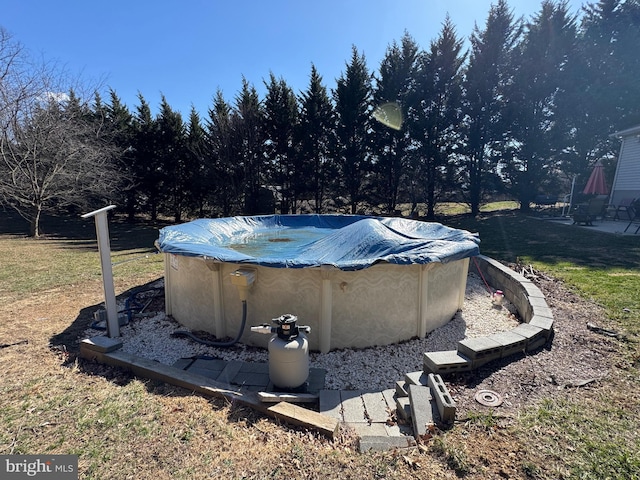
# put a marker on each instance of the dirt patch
(575, 357)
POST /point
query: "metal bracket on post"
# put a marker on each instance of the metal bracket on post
(104, 249)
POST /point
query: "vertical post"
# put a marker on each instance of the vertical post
(104, 249)
(326, 307)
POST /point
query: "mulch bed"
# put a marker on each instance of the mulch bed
(576, 357)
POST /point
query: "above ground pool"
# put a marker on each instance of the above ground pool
(357, 281)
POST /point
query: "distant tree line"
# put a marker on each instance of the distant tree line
(530, 104)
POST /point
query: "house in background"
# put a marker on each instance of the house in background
(626, 183)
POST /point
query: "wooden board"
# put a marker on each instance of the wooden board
(268, 397)
(307, 418)
(146, 368)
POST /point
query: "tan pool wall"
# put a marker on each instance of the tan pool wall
(380, 305)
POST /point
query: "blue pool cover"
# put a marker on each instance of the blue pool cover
(347, 242)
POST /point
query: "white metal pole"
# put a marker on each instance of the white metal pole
(104, 249)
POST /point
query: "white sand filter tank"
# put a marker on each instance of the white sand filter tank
(288, 352)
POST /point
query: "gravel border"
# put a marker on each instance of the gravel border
(375, 368)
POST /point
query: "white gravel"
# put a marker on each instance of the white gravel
(370, 368)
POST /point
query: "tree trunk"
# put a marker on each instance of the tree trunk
(34, 228)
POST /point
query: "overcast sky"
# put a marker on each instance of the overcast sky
(188, 49)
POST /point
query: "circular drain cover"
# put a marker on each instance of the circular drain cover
(488, 398)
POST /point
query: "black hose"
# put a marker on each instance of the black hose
(230, 343)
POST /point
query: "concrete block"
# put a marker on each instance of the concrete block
(444, 401)
(376, 407)
(401, 389)
(416, 378)
(389, 396)
(539, 306)
(352, 406)
(329, 401)
(421, 410)
(511, 342)
(183, 363)
(536, 336)
(101, 344)
(230, 371)
(250, 379)
(545, 323)
(531, 289)
(316, 379)
(213, 364)
(447, 361)
(384, 443)
(480, 348)
(403, 408)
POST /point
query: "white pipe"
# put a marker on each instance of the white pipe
(104, 249)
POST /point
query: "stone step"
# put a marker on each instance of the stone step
(421, 409)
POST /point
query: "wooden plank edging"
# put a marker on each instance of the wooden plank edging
(146, 368)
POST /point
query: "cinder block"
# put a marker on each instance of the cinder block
(421, 413)
(539, 306)
(545, 323)
(536, 336)
(415, 378)
(444, 401)
(447, 361)
(480, 349)
(511, 342)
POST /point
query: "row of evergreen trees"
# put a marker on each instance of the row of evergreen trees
(530, 104)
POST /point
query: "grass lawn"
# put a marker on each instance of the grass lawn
(127, 427)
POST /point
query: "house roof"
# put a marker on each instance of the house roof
(626, 133)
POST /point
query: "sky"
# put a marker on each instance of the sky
(186, 50)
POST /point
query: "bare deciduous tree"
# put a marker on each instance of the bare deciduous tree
(54, 151)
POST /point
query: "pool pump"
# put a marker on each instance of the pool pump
(288, 352)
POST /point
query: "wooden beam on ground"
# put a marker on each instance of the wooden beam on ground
(306, 418)
(269, 397)
(146, 368)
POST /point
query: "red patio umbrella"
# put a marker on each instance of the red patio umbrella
(596, 183)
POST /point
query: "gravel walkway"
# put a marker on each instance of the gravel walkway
(374, 368)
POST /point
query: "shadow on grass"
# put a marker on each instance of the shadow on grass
(72, 231)
(510, 235)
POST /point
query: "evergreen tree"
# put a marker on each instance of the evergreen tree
(119, 121)
(352, 98)
(540, 74)
(198, 169)
(392, 144)
(436, 111)
(602, 93)
(247, 124)
(223, 158)
(149, 172)
(488, 73)
(315, 137)
(171, 158)
(280, 123)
